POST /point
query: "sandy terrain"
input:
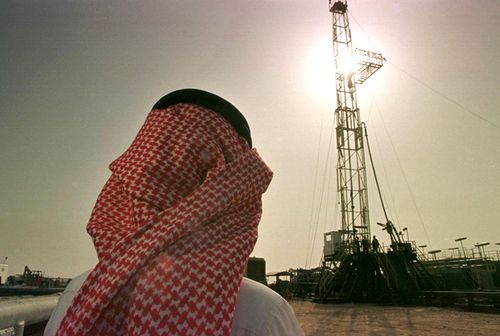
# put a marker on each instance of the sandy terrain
(350, 319)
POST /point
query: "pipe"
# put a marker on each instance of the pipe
(22, 311)
(19, 329)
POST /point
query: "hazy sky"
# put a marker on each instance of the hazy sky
(77, 79)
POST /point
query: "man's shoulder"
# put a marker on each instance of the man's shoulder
(254, 293)
(259, 310)
(262, 311)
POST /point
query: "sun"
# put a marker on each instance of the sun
(320, 70)
(346, 63)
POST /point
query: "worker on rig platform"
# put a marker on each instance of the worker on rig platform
(173, 228)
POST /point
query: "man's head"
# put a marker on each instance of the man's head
(210, 101)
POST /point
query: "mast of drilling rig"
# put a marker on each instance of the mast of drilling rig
(353, 66)
(353, 269)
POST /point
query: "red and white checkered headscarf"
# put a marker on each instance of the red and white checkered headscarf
(173, 228)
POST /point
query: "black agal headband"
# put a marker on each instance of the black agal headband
(212, 102)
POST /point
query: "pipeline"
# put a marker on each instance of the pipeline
(23, 311)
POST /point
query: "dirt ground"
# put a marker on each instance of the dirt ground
(350, 319)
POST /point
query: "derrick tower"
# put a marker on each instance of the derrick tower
(354, 267)
(353, 67)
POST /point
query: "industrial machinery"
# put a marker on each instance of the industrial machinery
(32, 282)
(355, 266)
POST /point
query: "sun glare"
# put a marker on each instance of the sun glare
(319, 70)
(346, 63)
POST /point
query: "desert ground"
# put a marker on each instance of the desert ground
(363, 319)
(360, 319)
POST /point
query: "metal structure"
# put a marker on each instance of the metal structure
(353, 66)
(32, 278)
(18, 312)
(354, 266)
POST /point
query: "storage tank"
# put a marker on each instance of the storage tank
(256, 270)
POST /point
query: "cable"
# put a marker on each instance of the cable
(421, 82)
(404, 175)
(451, 100)
(364, 32)
(321, 197)
(374, 173)
(314, 217)
(314, 192)
(390, 199)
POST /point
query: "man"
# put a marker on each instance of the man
(259, 311)
(174, 225)
(375, 244)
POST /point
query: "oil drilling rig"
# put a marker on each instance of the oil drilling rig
(354, 268)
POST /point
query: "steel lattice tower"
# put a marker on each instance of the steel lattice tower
(353, 66)
(354, 268)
